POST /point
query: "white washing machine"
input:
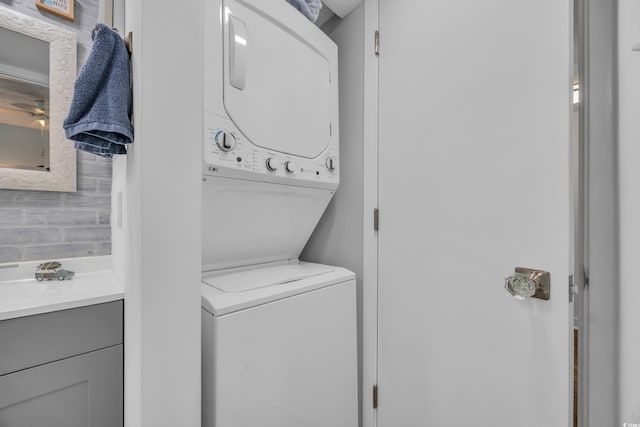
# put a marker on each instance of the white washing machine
(279, 347)
(279, 335)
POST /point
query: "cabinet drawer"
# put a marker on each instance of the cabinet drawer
(34, 340)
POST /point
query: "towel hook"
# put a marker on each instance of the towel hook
(128, 40)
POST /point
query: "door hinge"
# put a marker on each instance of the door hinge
(586, 278)
(377, 43)
(375, 397)
(376, 216)
(573, 288)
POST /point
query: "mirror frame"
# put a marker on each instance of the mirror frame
(62, 75)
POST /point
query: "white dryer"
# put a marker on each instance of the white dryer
(279, 335)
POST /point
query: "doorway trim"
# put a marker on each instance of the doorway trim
(370, 202)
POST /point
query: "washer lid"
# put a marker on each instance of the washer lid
(225, 293)
(269, 276)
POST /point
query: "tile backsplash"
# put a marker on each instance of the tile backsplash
(36, 225)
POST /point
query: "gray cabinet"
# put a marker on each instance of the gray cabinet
(63, 369)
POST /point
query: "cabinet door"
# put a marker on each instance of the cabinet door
(81, 391)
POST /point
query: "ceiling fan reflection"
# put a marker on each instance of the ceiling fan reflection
(36, 111)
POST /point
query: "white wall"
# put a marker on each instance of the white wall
(338, 238)
(602, 347)
(629, 181)
(156, 248)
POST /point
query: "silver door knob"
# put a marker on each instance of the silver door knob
(529, 283)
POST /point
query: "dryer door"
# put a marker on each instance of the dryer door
(280, 82)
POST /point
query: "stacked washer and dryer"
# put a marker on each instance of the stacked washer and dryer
(279, 335)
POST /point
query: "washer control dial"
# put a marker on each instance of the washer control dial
(270, 163)
(289, 166)
(331, 164)
(225, 140)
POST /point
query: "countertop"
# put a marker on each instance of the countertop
(22, 295)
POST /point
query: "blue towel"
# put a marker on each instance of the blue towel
(99, 118)
(309, 8)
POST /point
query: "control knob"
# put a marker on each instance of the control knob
(289, 166)
(270, 164)
(225, 141)
(331, 164)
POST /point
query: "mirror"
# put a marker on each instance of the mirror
(24, 102)
(37, 73)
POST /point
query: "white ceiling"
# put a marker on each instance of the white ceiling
(324, 16)
(342, 7)
(328, 17)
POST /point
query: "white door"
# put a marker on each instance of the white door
(474, 144)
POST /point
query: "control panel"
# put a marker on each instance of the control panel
(227, 153)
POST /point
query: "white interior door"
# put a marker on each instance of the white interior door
(474, 144)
